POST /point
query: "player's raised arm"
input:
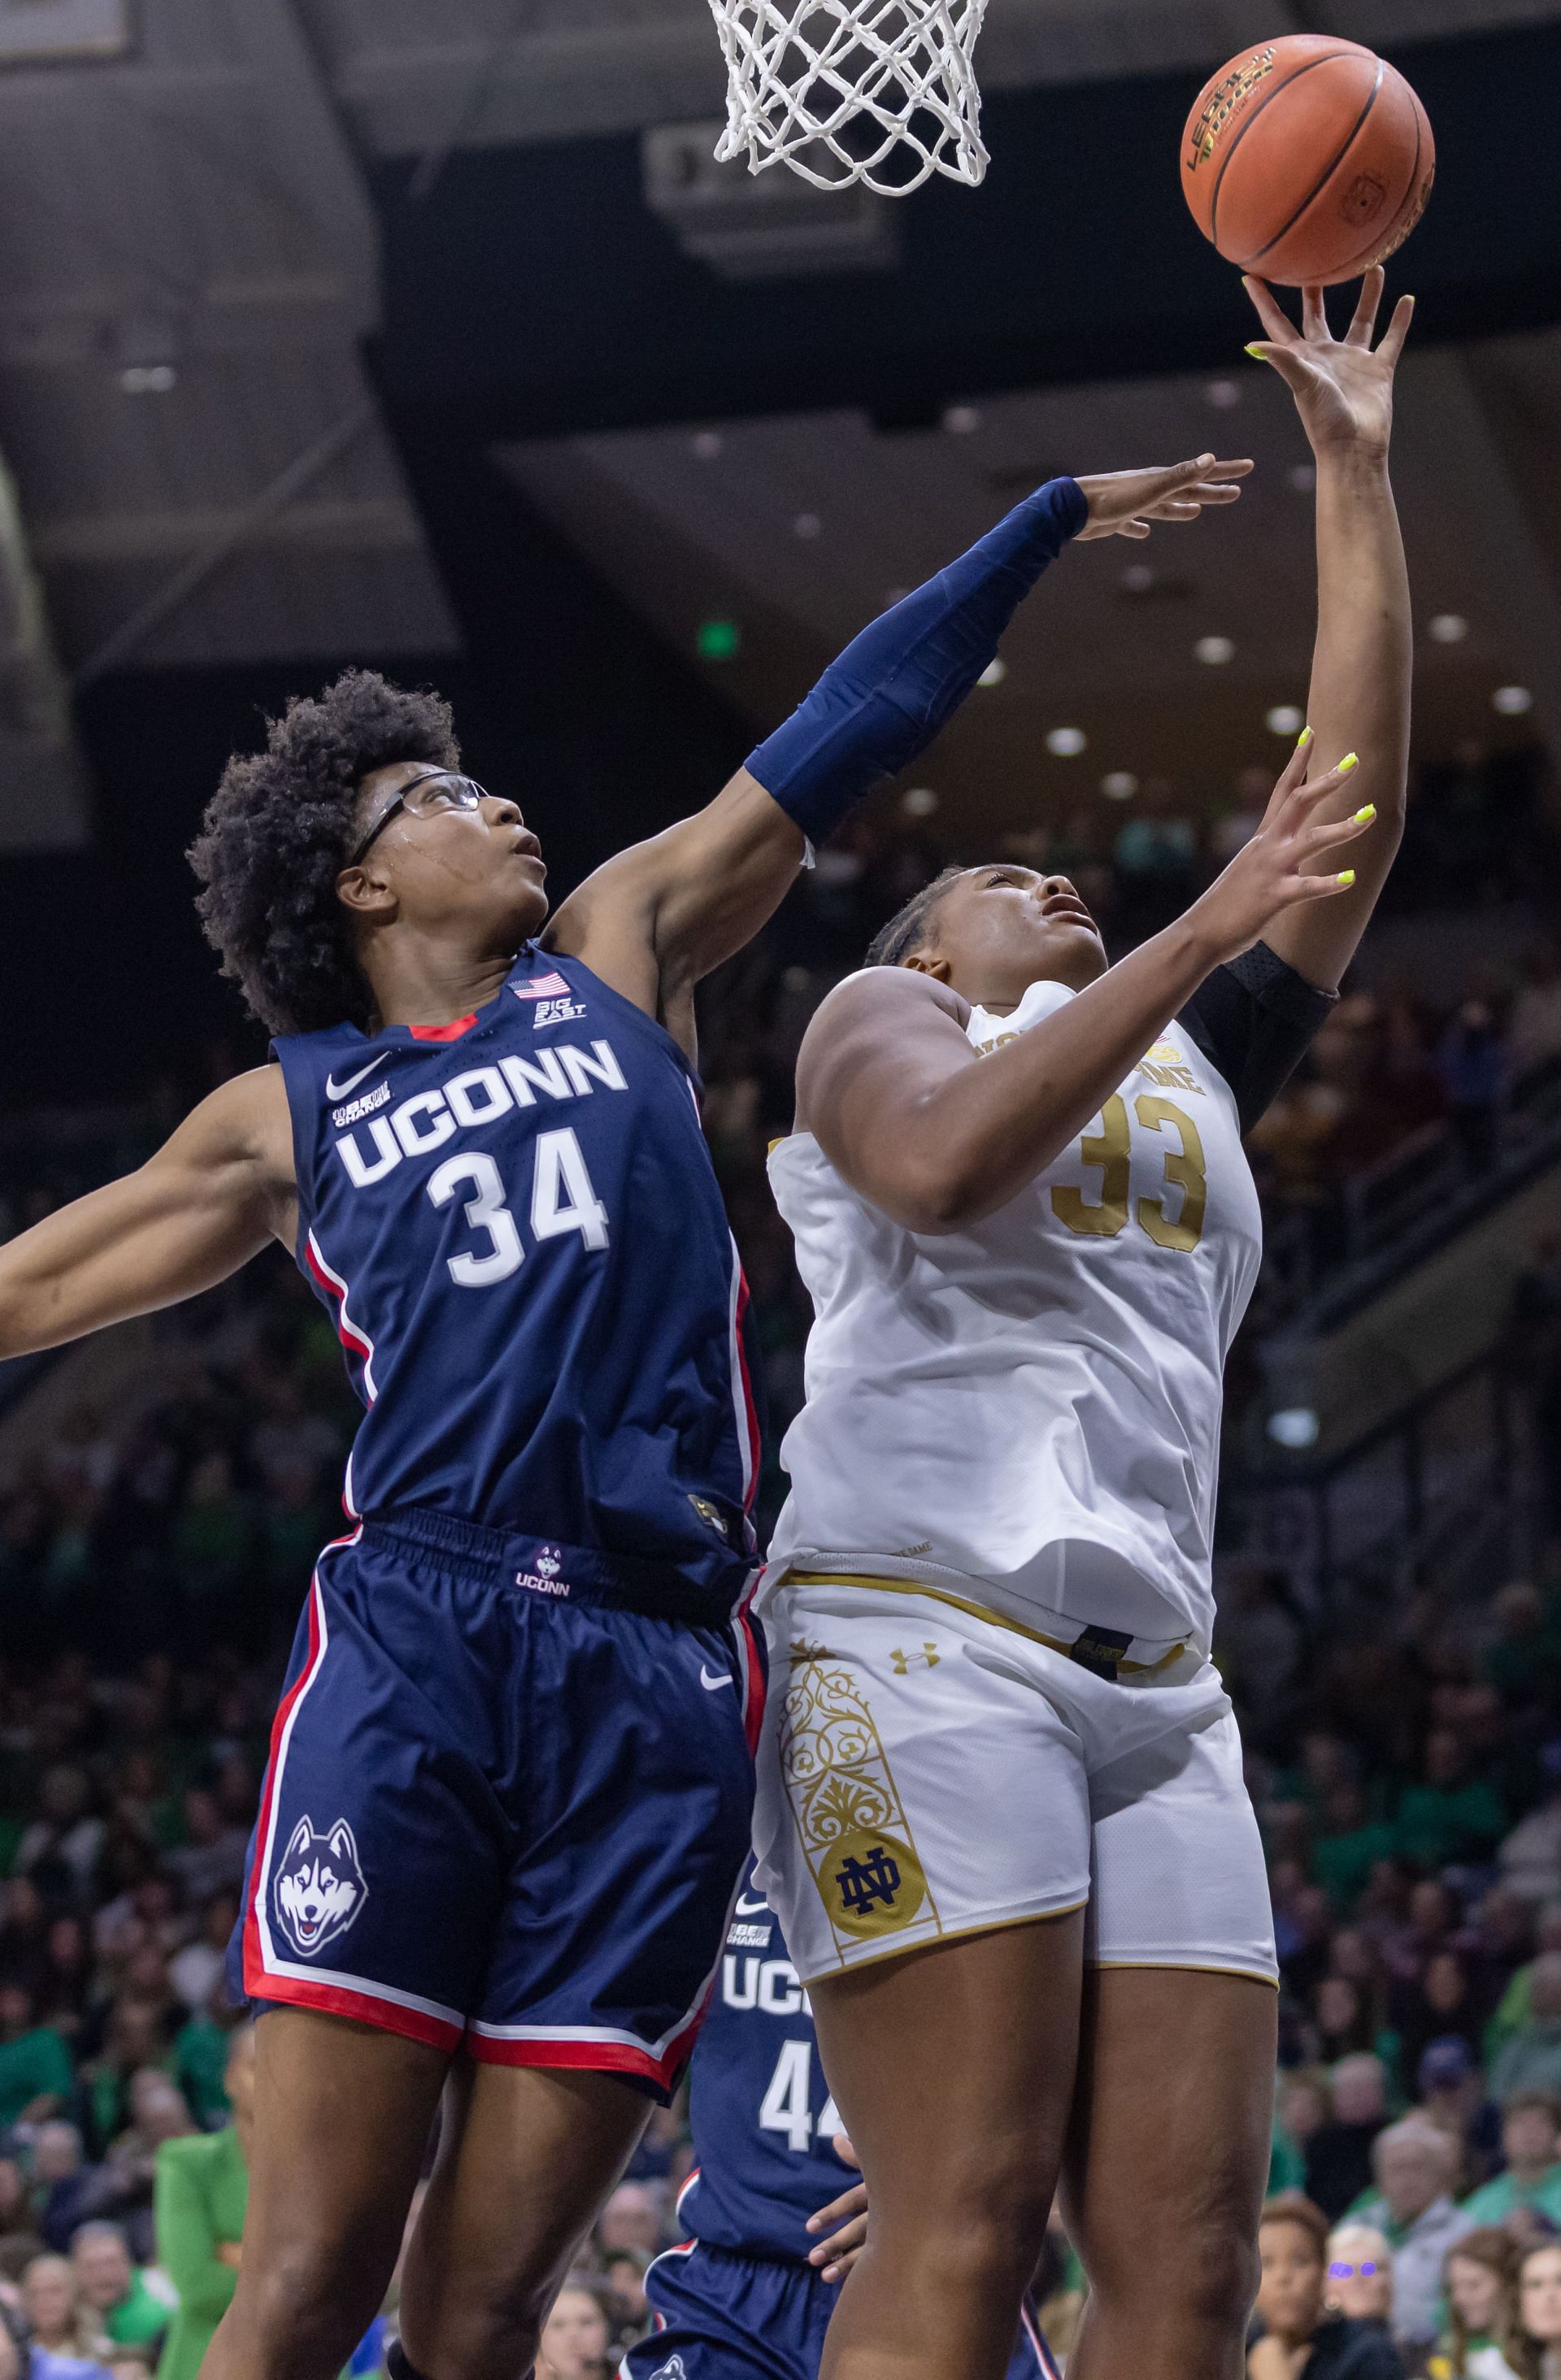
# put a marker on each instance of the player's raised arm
(1360, 696)
(203, 1205)
(703, 887)
(937, 1136)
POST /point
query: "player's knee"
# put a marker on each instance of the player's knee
(1200, 2275)
(988, 2234)
(305, 2312)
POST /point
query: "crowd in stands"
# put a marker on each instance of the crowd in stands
(153, 1548)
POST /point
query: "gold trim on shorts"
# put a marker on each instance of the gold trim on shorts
(1063, 1645)
(946, 1934)
(1185, 1967)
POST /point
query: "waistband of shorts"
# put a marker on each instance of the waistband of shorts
(1106, 1652)
(556, 1572)
(772, 2259)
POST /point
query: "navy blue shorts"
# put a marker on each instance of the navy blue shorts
(496, 1815)
(723, 2316)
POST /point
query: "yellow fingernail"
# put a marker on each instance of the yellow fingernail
(1303, 738)
(1347, 877)
(1365, 818)
(1253, 349)
(1350, 760)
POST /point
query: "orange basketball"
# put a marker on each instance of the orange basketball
(1307, 159)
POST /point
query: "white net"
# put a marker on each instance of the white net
(881, 92)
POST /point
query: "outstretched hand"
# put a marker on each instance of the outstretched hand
(1343, 388)
(1275, 872)
(1127, 503)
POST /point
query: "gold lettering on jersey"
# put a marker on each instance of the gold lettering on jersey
(984, 1049)
(1185, 1169)
(1111, 1150)
(1172, 1078)
(849, 1816)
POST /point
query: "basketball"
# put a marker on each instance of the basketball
(1308, 159)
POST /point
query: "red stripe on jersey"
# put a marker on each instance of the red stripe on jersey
(451, 1032)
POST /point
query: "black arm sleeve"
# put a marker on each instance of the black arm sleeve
(1254, 1020)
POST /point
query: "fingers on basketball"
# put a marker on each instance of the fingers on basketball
(1271, 314)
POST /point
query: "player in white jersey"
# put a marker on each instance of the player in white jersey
(1002, 1816)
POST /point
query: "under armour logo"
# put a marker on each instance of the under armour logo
(928, 1658)
(862, 1882)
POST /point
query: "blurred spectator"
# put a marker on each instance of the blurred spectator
(1338, 2156)
(119, 2298)
(60, 1848)
(1530, 2140)
(1482, 2339)
(36, 2077)
(1232, 832)
(210, 1859)
(1534, 1031)
(1451, 1816)
(1538, 2311)
(1360, 2273)
(632, 2220)
(61, 2322)
(1529, 2059)
(1300, 2341)
(576, 2339)
(1530, 1855)
(1156, 856)
(62, 2184)
(1415, 2166)
(202, 2193)
(1472, 1059)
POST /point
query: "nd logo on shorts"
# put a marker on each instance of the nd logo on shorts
(848, 1810)
(319, 1887)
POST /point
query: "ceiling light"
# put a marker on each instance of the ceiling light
(920, 801)
(960, 420)
(807, 525)
(1066, 742)
(707, 445)
(1118, 786)
(993, 673)
(1285, 720)
(1447, 628)
(1222, 395)
(717, 641)
(1303, 478)
(1138, 579)
(1512, 701)
(147, 380)
(1215, 651)
(1295, 1426)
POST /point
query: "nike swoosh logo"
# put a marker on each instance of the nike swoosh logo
(334, 1090)
(747, 1908)
(712, 1686)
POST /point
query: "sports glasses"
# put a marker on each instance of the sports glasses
(460, 793)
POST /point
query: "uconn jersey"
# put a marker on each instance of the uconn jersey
(515, 1228)
(511, 1776)
(739, 2300)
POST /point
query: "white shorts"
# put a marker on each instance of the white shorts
(929, 1770)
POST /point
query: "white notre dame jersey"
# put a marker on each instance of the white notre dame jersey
(1032, 1405)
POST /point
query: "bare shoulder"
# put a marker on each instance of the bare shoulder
(243, 1121)
(876, 1010)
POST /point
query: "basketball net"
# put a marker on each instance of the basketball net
(881, 92)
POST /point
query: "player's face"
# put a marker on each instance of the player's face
(444, 858)
(1003, 928)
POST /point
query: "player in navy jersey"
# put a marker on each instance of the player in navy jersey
(775, 2218)
(511, 1775)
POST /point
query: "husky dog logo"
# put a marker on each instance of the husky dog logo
(675, 2368)
(319, 1889)
(549, 1561)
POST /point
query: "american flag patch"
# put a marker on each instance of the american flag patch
(541, 987)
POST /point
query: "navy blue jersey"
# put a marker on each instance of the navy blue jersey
(759, 2108)
(514, 1225)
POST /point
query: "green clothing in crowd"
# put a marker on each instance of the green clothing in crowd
(200, 2055)
(1439, 1825)
(203, 2193)
(1342, 1864)
(35, 2066)
(1529, 2061)
(1495, 2201)
(139, 2317)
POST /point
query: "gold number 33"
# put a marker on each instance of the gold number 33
(1111, 1150)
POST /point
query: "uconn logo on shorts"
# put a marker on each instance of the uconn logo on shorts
(318, 1888)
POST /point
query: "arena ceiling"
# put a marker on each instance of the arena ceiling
(191, 265)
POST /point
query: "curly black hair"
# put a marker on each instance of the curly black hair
(275, 837)
(909, 929)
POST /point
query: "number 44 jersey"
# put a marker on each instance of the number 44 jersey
(514, 1224)
(1032, 1404)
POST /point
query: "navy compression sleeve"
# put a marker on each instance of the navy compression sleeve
(898, 683)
